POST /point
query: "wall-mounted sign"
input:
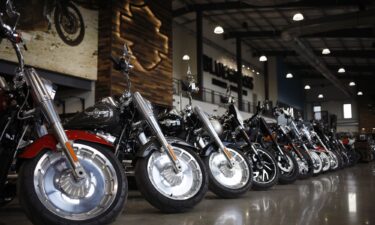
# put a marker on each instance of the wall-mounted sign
(218, 69)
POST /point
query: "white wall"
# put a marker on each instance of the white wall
(184, 42)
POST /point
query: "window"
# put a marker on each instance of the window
(317, 112)
(347, 111)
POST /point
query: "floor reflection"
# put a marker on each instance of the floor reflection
(342, 197)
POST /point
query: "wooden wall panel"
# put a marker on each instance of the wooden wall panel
(147, 28)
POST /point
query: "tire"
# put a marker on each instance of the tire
(334, 161)
(35, 187)
(75, 17)
(269, 167)
(288, 173)
(307, 161)
(226, 185)
(153, 189)
(317, 162)
(325, 161)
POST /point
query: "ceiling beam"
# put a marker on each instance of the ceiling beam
(188, 8)
(334, 53)
(368, 32)
(351, 68)
(329, 23)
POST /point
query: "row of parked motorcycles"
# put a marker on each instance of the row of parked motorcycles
(74, 173)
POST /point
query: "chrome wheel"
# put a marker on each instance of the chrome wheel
(177, 186)
(234, 177)
(302, 164)
(75, 200)
(325, 161)
(334, 162)
(317, 162)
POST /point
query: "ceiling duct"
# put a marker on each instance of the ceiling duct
(269, 2)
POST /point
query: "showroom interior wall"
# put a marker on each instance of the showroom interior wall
(224, 51)
(332, 102)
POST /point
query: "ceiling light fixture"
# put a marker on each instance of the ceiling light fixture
(289, 75)
(351, 84)
(326, 51)
(263, 58)
(341, 70)
(257, 73)
(360, 93)
(307, 87)
(218, 30)
(298, 17)
(186, 57)
(320, 96)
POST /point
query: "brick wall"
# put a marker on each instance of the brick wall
(147, 29)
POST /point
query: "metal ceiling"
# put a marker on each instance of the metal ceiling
(346, 27)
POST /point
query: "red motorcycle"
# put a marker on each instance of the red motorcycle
(64, 177)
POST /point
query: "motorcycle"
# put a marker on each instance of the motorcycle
(67, 18)
(315, 141)
(304, 160)
(262, 134)
(229, 170)
(168, 172)
(290, 128)
(264, 165)
(71, 176)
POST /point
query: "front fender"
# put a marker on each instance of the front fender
(153, 145)
(49, 142)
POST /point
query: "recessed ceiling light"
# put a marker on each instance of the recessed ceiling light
(320, 96)
(253, 71)
(248, 68)
(326, 51)
(289, 75)
(298, 17)
(257, 73)
(307, 87)
(360, 93)
(262, 58)
(186, 57)
(341, 70)
(352, 84)
(218, 30)
(243, 66)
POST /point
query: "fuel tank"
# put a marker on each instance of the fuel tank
(101, 116)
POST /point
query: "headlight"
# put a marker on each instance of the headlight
(49, 87)
(217, 126)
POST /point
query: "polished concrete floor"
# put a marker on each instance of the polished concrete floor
(343, 197)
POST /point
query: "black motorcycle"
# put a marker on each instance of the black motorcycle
(259, 131)
(168, 172)
(294, 146)
(228, 168)
(264, 165)
(62, 176)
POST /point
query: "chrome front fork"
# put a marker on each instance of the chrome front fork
(211, 131)
(152, 122)
(44, 100)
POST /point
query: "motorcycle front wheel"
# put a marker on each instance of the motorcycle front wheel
(289, 170)
(265, 173)
(50, 195)
(226, 181)
(317, 161)
(325, 160)
(167, 190)
(305, 164)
